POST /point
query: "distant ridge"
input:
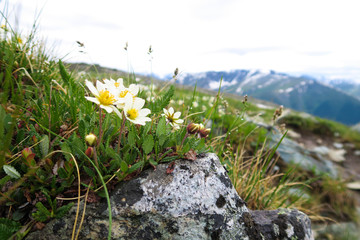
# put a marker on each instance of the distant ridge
(302, 93)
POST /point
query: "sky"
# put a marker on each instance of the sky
(313, 37)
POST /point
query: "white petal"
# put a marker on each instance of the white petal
(120, 81)
(100, 86)
(92, 88)
(129, 102)
(143, 112)
(109, 82)
(142, 120)
(165, 111)
(107, 108)
(177, 114)
(138, 103)
(92, 99)
(179, 121)
(117, 112)
(171, 111)
(134, 89)
(120, 105)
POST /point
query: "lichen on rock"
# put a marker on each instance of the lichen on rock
(195, 201)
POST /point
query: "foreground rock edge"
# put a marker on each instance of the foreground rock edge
(196, 201)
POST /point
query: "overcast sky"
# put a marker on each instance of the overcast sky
(315, 37)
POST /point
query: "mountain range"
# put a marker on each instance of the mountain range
(334, 100)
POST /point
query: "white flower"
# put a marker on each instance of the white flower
(172, 117)
(103, 97)
(115, 85)
(195, 104)
(122, 92)
(133, 110)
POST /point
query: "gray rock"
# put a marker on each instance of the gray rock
(196, 201)
(293, 153)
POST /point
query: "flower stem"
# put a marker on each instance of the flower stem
(121, 130)
(182, 142)
(100, 127)
(95, 158)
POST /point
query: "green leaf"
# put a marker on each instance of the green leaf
(4, 180)
(135, 167)
(44, 145)
(152, 162)
(8, 227)
(169, 159)
(82, 129)
(66, 148)
(161, 127)
(162, 139)
(42, 214)
(146, 129)
(64, 74)
(186, 148)
(163, 101)
(124, 166)
(62, 173)
(131, 138)
(148, 144)
(61, 211)
(11, 171)
(89, 171)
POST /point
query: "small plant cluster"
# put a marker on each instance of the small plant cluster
(63, 139)
(69, 136)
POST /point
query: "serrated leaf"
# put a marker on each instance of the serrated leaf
(8, 227)
(82, 129)
(146, 129)
(162, 139)
(42, 214)
(186, 148)
(61, 211)
(44, 145)
(66, 148)
(62, 173)
(161, 127)
(169, 159)
(89, 171)
(124, 167)
(131, 138)
(148, 144)
(11, 171)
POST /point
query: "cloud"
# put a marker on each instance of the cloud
(244, 51)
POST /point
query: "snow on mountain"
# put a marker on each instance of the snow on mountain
(301, 93)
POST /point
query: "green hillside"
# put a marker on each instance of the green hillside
(67, 131)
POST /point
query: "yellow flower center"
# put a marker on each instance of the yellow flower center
(117, 84)
(170, 117)
(132, 113)
(105, 98)
(123, 93)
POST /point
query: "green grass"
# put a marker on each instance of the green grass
(44, 119)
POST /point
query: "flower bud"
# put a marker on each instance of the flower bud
(89, 152)
(90, 139)
(193, 128)
(204, 132)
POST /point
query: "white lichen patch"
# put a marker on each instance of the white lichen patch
(199, 187)
(276, 230)
(289, 230)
